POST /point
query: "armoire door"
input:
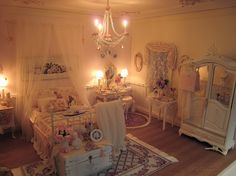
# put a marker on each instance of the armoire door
(218, 103)
(198, 98)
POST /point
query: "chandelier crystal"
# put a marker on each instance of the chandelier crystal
(107, 36)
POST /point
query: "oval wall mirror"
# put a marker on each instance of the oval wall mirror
(138, 61)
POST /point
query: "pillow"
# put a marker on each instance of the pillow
(43, 103)
(57, 105)
(52, 104)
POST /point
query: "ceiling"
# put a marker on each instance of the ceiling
(131, 8)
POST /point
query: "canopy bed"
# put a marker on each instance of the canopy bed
(48, 58)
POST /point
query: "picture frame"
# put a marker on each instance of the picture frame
(138, 61)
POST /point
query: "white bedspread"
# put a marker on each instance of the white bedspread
(111, 120)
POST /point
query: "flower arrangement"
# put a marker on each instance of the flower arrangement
(118, 79)
(63, 133)
(162, 83)
(50, 68)
(162, 89)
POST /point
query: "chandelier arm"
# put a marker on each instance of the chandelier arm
(104, 37)
(107, 23)
(111, 43)
(112, 26)
(103, 32)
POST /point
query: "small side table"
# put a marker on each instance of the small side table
(163, 106)
(7, 115)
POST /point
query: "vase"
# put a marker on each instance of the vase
(65, 148)
(76, 143)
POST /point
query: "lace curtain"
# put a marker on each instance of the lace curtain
(34, 41)
(161, 58)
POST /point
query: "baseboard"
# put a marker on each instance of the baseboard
(155, 115)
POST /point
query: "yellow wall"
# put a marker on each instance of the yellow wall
(192, 33)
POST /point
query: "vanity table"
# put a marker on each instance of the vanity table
(112, 94)
(164, 104)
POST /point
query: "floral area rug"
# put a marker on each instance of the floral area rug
(136, 120)
(140, 159)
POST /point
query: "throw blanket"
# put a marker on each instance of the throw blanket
(110, 119)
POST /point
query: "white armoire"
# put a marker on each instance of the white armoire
(211, 115)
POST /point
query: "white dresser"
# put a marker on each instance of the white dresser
(84, 163)
(212, 109)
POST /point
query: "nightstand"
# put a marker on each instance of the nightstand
(7, 115)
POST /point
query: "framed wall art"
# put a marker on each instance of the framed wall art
(138, 61)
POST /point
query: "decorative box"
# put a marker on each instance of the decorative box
(83, 163)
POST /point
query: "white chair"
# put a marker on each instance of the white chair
(110, 119)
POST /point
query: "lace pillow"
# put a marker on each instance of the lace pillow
(52, 104)
(43, 103)
(57, 105)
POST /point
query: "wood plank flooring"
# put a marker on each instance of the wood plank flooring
(16, 152)
(194, 160)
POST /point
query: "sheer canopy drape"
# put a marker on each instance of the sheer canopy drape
(34, 41)
(69, 41)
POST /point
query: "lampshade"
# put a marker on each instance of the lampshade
(3, 81)
(124, 73)
(99, 74)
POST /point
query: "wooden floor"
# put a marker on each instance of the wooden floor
(194, 160)
(15, 152)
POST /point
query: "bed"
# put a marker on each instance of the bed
(55, 107)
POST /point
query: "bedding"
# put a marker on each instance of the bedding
(52, 108)
(45, 125)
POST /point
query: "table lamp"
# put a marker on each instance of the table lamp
(124, 74)
(3, 84)
(99, 76)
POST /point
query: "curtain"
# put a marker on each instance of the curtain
(32, 41)
(69, 40)
(35, 43)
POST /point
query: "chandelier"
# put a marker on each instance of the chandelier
(107, 36)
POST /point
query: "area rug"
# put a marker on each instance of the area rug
(136, 120)
(140, 159)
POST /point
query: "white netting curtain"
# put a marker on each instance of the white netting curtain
(69, 39)
(34, 41)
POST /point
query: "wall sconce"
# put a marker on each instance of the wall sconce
(124, 73)
(99, 76)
